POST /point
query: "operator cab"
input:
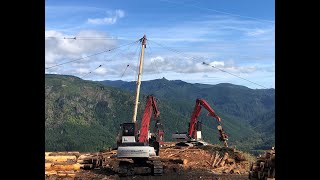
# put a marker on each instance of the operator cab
(128, 129)
(127, 134)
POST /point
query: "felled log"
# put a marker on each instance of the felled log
(219, 168)
(84, 156)
(215, 159)
(68, 167)
(63, 163)
(218, 162)
(222, 162)
(88, 158)
(109, 153)
(239, 156)
(47, 153)
(185, 161)
(242, 171)
(47, 166)
(71, 153)
(48, 161)
(235, 171)
(86, 166)
(66, 173)
(208, 163)
(230, 161)
(49, 173)
(212, 158)
(85, 161)
(229, 169)
(61, 158)
(176, 153)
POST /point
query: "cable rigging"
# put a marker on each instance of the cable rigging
(204, 63)
(118, 53)
(78, 59)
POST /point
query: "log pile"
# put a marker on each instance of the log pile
(264, 167)
(61, 164)
(90, 161)
(66, 164)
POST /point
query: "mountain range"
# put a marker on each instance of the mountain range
(85, 115)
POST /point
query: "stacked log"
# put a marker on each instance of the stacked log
(90, 161)
(71, 153)
(61, 164)
(61, 158)
(264, 167)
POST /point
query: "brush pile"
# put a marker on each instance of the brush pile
(219, 160)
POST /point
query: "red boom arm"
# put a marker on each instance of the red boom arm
(196, 113)
(150, 105)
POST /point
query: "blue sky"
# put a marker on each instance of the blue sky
(234, 36)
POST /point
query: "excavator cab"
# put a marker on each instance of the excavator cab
(128, 129)
(127, 133)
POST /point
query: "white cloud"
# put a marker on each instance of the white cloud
(217, 63)
(188, 66)
(158, 59)
(83, 70)
(58, 49)
(120, 13)
(101, 71)
(258, 31)
(111, 19)
(102, 20)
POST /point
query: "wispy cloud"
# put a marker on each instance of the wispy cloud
(112, 18)
(101, 71)
(258, 31)
(186, 66)
(82, 70)
(58, 49)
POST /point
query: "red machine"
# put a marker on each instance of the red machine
(157, 134)
(194, 131)
(139, 151)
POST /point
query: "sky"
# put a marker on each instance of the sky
(236, 39)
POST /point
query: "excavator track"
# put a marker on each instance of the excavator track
(157, 169)
(152, 167)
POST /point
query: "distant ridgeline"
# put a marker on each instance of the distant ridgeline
(85, 115)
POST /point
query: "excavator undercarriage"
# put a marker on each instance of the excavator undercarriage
(130, 167)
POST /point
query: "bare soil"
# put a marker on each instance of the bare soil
(197, 164)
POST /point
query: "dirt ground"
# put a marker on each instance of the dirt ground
(197, 163)
(183, 175)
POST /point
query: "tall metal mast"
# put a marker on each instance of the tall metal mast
(143, 45)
